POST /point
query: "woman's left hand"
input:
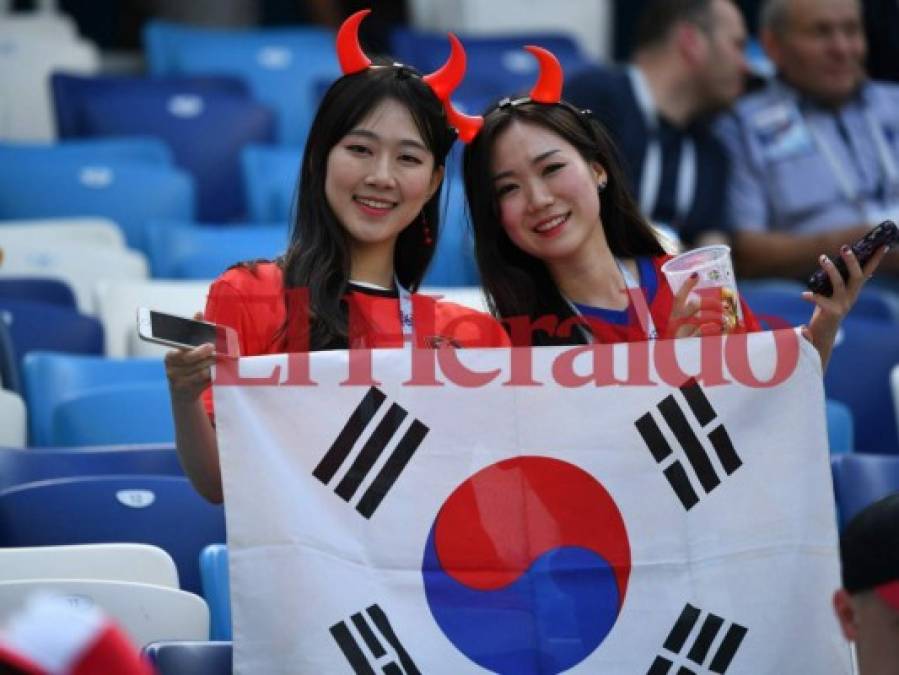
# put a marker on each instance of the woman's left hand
(829, 312)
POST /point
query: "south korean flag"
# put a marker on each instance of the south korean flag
(600, 509)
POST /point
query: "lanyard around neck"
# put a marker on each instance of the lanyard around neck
(651, 175)
(635, 296)
(852, 190)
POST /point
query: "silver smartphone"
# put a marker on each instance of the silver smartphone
(184, 333)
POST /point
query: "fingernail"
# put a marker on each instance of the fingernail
(844, 249)
(823, 259)
(694, 275)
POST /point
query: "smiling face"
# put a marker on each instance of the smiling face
(379, 177)
(546, 193)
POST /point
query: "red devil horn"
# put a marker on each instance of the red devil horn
(444, 80)
(549, 85)
(349, 51)
(468, 126)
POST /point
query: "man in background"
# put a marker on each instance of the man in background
(814, 155)
(688, 64)
(867, 606)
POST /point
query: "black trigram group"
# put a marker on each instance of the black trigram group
(692, 446)
(385, 433)
(701, 646)
(373, 658)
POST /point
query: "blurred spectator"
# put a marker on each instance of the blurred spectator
(689, 64)
(815, 155)
(867, 606)
(55, 635)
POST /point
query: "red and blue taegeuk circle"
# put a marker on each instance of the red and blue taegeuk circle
(526, 566)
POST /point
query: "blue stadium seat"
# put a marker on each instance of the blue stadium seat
(51, 291)
(10, 375)
(133, 149)
(859, 376)
(189, 251)
(787, 301)
(45, 184)
(136, 412)
(281, 66)
(271, 178)
(31, 465)
(196, 658)
(861, 479)
(71, 91)
(163, 511)
(37, 326)
(204, 128)
(217, 589)
(49, 379)
(453, 263)
(840, 428)
(497, 65)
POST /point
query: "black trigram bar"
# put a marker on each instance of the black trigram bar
(356, 656)
(371, 451)
(694, 451)
(699, 649)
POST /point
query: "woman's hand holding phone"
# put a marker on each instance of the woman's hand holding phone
(189, 371)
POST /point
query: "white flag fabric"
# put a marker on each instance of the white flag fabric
(526, 520)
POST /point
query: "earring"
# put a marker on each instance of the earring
(601, 187)
(426, 230)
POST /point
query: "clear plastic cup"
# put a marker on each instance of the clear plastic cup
(715, 270)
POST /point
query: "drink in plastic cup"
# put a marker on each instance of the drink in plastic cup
(715, 270)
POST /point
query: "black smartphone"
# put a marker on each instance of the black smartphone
(884, 234)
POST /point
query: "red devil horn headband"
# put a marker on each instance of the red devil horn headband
(442, 81)
(548, 89)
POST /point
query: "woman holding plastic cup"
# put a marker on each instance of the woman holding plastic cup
(560, 241)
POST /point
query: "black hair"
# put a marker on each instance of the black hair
(660, 16)
(318, 257)
(517, 284)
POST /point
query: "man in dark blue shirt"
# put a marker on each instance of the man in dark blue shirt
(689, 63)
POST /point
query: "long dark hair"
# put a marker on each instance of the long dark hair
(318, 257)
(516, 283)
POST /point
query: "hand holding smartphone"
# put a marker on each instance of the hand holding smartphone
(184, 333)
(885, 234)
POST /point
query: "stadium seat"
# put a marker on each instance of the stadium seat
(861, 479)
(196, 658)
(205, 129)
(35, 326)
(51, 379)
(859, 376)
(453, 263)
(281, 66)
(497, 65)
(36, 289)
(133, 149)
(134, 412)
(13, 419)
(117, 305)
(10, 375)
(164, 511)
(788, 302)
(42, 25)
(27, 59)
(894, 387)
(31, 465)
(840, 428)
(271, 177)
(71, 92)
(217, 589)
(137, 563)
(190, 251)
(46, 185)
(80, 266)
(95, 232)
(147, 613)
